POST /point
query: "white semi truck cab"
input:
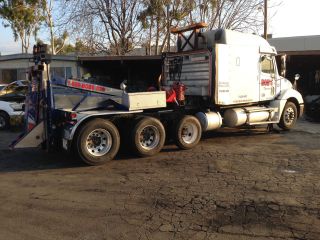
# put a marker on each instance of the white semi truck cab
(216, 79)
(234, 75)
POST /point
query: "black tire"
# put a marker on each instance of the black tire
(188, 132)
(147, 137)
(98, 142)
(4, 121)
(289, 116)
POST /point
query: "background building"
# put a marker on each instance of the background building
(302, 57)
(14, 67)
(140, 72)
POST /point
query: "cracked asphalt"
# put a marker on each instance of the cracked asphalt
(236, 184)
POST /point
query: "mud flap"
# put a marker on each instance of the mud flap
(32, 139)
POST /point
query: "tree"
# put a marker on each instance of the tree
(240, 15)
(57, 43)
(119, 18)
(152, 18)
(158, 16)
(107, 25)
(82, 48)
(78, 48)
(24, 17)
(119, 26)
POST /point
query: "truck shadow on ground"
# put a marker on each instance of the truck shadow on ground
(35, 160)
(234, 132)
(32, 160)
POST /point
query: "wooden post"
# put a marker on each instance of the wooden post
(168, 27)
(265, 13)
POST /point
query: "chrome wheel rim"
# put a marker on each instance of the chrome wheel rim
(289, 116)
(189, 133)
(2, 122)
(149, 137)
(99, 142)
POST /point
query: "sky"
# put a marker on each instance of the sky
(286, 18)
(294, 18)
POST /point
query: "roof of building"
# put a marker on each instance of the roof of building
(27, 56)
(118, 58)
(301, 45)
(82, 57)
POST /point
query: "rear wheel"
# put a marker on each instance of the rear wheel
(188, 132)
(289, 116)
(98, 142)
(4, 121)
(148, 137)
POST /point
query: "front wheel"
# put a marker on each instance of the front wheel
(188, 132)
(289, 116)
(98, 142)
(4, 120)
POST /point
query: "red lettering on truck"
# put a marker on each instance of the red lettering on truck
(266, 82)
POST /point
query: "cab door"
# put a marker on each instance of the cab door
(268, 78)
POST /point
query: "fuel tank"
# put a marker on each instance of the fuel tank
(235, 117)
(209, 120)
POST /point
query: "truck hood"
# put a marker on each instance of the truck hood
(285, 83)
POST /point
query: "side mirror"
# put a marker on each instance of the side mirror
(123, 85)
(297, 77)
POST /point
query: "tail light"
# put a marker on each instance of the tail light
(71, 117)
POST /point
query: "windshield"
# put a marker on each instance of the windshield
(14, 91)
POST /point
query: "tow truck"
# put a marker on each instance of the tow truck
(219, 78)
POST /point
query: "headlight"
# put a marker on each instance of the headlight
(17, 106)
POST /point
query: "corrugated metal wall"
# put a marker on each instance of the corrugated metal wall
(195, 72)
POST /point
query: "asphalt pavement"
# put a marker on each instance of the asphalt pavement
(236, 184)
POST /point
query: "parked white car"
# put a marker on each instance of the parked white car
(2, 86)
(10, 112)
(12, 99)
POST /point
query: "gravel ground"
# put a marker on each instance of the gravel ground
(234, 185)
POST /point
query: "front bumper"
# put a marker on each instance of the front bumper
(16, 118)
(65, 144)
(301, 109)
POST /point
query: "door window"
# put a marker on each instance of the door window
(68, 72)
(267, 65)
(58, 72)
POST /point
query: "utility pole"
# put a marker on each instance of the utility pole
(168, 27)
(265, 34)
